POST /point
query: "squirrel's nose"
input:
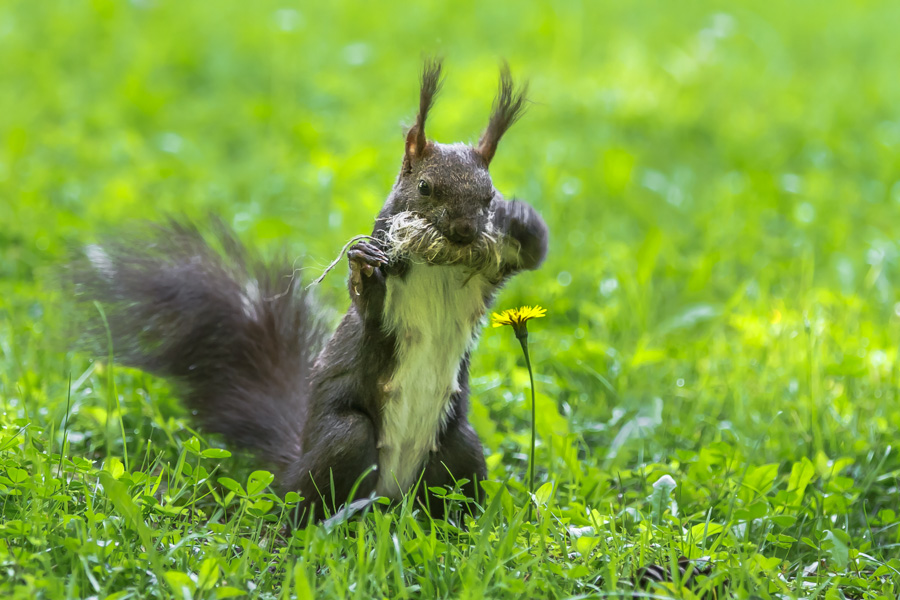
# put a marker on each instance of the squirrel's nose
(462, 233)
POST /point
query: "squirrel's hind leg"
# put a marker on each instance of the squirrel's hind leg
(459, 456)
(342, 448)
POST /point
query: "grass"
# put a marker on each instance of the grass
(717, 375)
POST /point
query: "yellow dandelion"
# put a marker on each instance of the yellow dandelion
(517, 317)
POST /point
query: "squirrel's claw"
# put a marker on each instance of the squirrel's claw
(364, 258)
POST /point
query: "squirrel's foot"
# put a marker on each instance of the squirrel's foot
(364, 257)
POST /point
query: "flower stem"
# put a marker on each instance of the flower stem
(523, 339)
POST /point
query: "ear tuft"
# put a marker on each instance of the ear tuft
(509, 106)
(416, 143)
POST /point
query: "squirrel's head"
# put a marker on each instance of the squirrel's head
(440, 208)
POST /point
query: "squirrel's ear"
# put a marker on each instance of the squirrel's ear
(509, 105)
(416, 143)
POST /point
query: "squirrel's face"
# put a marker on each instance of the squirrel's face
(450, 187)
(440, 209)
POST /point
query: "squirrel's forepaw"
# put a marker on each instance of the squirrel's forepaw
(364, 258)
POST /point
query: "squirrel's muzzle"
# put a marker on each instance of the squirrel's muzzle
(412, 236)
(462, 231)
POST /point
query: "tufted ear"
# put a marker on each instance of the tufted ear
(509, 105)
(416, 142)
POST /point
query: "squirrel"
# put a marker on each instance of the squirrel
(382, 404)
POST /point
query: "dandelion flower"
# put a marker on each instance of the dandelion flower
(517, 318)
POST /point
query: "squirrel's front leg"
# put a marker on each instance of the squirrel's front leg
(525, 232)
(367, 278)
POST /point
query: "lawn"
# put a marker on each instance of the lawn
(717, 374)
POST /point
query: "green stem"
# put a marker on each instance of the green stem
(523, 339)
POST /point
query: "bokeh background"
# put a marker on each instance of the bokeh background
(721, 183)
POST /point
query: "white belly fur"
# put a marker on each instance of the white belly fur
(435, 314)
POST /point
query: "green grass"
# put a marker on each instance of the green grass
(722, 188)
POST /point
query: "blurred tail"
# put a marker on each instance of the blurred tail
(236, 336)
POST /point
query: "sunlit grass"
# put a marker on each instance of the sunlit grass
(721, 187)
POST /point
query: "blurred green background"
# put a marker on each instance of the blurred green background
(721, 184)
(697, 165)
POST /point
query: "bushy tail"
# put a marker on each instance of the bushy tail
(236, 336)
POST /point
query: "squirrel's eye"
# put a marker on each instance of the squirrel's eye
(424, 188)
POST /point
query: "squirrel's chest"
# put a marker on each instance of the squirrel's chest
(434, 313)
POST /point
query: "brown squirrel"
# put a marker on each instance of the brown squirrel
(385, 401)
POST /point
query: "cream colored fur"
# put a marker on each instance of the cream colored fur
(435, 313)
